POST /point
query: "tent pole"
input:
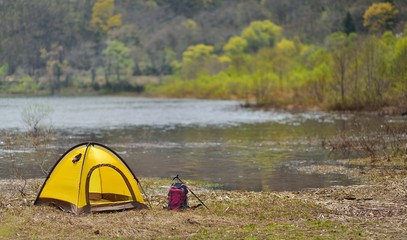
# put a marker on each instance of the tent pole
(142, 189)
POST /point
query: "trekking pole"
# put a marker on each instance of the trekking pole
(177, 177)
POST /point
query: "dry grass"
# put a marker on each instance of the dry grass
(358, 212)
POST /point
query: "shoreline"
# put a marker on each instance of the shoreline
(390, 110)
(376, 209)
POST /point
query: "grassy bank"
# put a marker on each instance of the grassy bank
(376, 210)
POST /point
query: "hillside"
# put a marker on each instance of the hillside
(47, 46)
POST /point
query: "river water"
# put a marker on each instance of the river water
(217, 141)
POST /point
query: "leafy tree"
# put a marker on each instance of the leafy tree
(380, 17)
(197, 52)
(3, 71)
(27, 26)
(375, 71)
(318, 84)
(337, 45)
(103, 21)
(195, 60)
(117, 62)
(283, 59)
(25, 85)
(145, 65)
(187, 7)
(103, 17)
(56, 66)
(348, 24)
(261, 34)
(400, 67)
(236, 45)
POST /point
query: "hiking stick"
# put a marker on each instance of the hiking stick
(177, 177)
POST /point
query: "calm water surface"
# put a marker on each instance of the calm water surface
(198, 139)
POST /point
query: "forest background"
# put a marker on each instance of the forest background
(340, 55)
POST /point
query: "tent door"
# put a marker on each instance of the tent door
(106, 184)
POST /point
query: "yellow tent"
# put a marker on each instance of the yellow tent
(90, 177)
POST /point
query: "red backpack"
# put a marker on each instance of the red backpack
(177, 196)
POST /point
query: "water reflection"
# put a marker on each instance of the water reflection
(204, 140)
(238, 157)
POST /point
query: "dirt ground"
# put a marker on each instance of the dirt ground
(380, 209)
(375, 209)
(379, 203)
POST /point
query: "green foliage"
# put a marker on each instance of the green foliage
(261, 34)
(351, 72)
(399, 68)
(348, 24)
(117, 62)
(187, 7)
(338, 45)
(236, 45)
(380, 17)
(56, 66)
(196, 60)
(103, 17)
(145, 65)
(26, 85)
(197, 53)
(3, 70)
(221, 48)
